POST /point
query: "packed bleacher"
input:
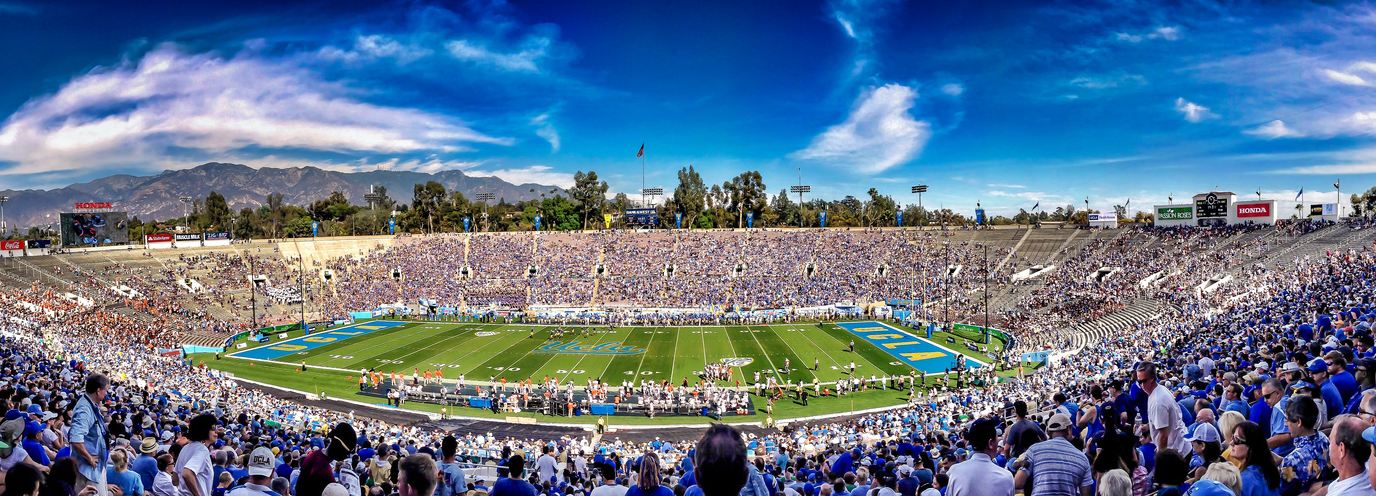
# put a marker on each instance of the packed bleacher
(1259, 385)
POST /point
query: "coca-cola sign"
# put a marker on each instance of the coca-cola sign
(1250, 210)
(12, 245)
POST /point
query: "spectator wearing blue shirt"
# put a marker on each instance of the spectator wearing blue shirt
(648, 483)
(37, 452)
(1232, 400)
(146, 465)
(513, 484)
(1332, 402)
(1340, 377)
(87, 434)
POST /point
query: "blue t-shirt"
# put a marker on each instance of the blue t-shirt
(36, 452)
(147, 468)
(507, 486)
(659, 491)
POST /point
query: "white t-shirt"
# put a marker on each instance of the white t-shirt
(546, 467)
(196, 457)
(17, 456)
(605, 490)
(1164, 413)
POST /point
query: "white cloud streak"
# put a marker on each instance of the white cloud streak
(545, 129)
(878, 135)
(538, 174)
(1274, 129)
(170, 102)
(1193, 112)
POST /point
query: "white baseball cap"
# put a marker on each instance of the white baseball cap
(261, 462)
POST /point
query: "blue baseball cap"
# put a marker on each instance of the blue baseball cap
(1369, 435)
(1318, 365)
(34, 409)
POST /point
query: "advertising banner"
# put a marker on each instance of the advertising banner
(678, 220)
(900, 218)
(750, 219)
(1330, 209)
(979, 216)
(1174, 213)
(189, 237)
(1253, 210)
(159, 238)
(217, 236)
(1315, 210)
(93, 205)
(12, 245)
(40, 244)
(1103, 217)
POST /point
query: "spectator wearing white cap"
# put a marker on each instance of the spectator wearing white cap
(261, 463)
(1054, 466)
(1208, 448)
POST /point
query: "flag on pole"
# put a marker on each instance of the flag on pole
(640, 153)
(1337, 184)
(1035, 205)
(1300, 194)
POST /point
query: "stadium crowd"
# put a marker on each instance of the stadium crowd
(1263, 387)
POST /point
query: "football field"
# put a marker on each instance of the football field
(481, 352)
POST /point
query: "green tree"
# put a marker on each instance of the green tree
(880, 210)
(217, 213)
(785, 211)
(274, 212)
(426, 202)
(589, 192)
(746, 193)
(690, 197)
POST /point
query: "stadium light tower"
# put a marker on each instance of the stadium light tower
(186, 218)
(4, 228)
(919, 190)
(800, 189)
(485, 197)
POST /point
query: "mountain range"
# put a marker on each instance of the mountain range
(156, 197)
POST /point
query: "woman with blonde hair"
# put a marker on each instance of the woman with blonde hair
(118, 473)
(648, 477)
(1227, 424)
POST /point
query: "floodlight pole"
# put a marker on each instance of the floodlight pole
(4, 228)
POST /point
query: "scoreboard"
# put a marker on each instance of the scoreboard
(1211, 206)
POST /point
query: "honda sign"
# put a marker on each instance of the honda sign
(1251, 210)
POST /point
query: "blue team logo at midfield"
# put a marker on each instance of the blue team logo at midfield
(578, 348)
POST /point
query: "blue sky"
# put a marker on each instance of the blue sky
(1010, 105)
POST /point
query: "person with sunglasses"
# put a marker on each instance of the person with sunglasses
(1260, 476)
(1273, 393)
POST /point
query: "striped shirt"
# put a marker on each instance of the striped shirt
(1056, 467)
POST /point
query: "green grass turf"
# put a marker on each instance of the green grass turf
(493, 351)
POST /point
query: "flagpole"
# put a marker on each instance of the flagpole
(1338, 185)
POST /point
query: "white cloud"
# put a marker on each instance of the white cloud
(539, 174)
(525, 59)
(953, 89)
(1193, 112)
(1007, 186)
(1345, 78)
(1330, 169)
(170, 102)
(878, 135)
(545, 129)
(846, 25)
(1274, 129)
(375, 46)
(1168, 33)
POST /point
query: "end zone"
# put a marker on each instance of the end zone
(915, 351)
(315, 340)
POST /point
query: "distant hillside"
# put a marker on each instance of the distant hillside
(155, 197)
